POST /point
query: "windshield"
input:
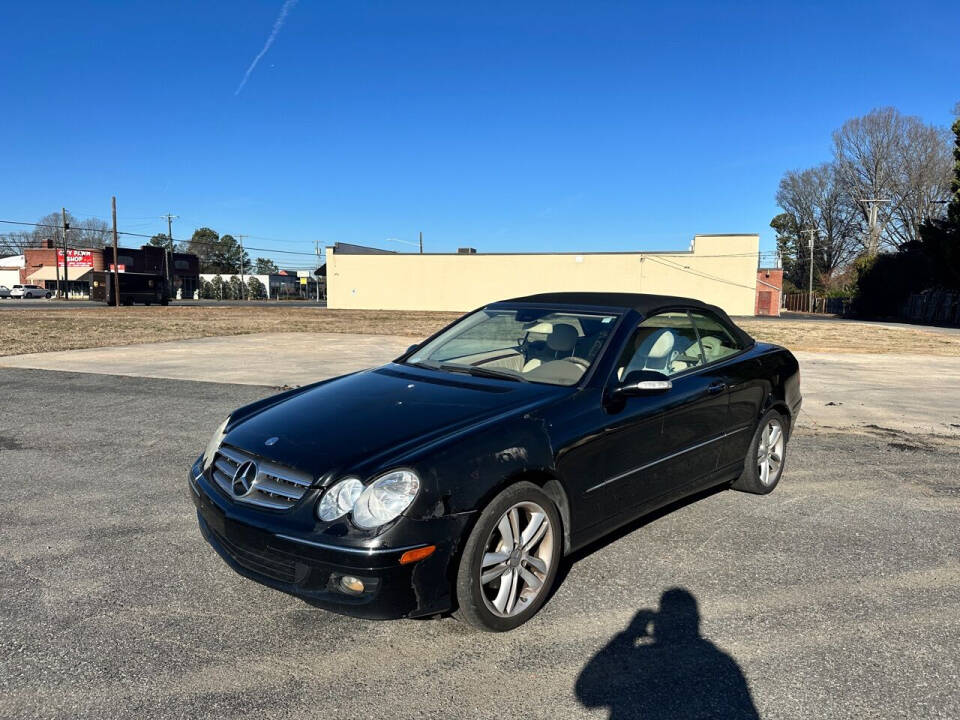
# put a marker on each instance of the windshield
(527, 345)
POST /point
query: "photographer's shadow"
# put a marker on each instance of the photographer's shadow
(660, 667)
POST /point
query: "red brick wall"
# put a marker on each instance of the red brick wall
(769, 298)
(47, 257)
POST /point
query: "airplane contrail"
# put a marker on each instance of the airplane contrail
(277, 24)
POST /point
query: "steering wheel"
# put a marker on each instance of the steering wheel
(578, 361)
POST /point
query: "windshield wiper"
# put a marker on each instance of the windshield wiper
(421, 364)
(478, 371)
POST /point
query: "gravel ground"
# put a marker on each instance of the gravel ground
(836, 596)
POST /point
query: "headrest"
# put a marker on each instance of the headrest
(562, 338)
(544, 328)
(663, 345)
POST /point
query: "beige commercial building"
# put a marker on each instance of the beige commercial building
(719, 269)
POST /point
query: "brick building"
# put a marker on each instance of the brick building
(43, 266)
(769, 291)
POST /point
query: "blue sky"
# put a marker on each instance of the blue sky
(507, 126)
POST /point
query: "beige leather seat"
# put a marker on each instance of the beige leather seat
(560, 343)
(653, 353)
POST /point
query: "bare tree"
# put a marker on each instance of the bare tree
(815, 199)
(89, 233)
(14, 243)
(900, 160)
(925, 166)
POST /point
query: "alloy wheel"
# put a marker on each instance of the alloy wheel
(770, 452)
(517, 559)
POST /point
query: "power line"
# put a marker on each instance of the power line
(677, 266)
(142, 235)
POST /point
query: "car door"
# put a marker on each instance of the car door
(746, 386)
(695, 415)
(653, 446)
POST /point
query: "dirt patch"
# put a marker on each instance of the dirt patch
(41, 330)
(31, 331)
(853, 337)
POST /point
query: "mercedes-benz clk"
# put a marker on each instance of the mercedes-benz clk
(456, 478)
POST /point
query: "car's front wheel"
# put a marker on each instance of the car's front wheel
(510, 560)
(763, 465)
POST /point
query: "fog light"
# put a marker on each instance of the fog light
(352, 585)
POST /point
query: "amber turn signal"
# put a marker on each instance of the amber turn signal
(411, 556)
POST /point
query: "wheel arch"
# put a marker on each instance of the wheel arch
(549, 482)
(780, 405)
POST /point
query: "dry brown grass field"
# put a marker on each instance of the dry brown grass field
(45, 330)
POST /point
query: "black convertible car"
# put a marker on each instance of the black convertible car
(458, 476)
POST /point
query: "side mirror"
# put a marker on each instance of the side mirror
(643, 382)
(413, 347)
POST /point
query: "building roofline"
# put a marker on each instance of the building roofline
(332, 249)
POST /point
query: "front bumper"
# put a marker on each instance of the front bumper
(310, 568)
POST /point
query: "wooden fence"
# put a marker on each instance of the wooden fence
(800, 302)
(933, 307)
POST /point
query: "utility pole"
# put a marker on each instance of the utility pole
(872, 208)
(66, 281)
(51, 243)
(116, 260)
(166, 251)
(243, 285)
(316, 277)
(421, 242)
(811, 233)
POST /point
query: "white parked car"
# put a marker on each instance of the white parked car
(4, 292)
(29, 291)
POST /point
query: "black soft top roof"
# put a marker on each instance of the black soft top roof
(641, 302)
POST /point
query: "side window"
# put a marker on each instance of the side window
(717, 340)
(666, 343)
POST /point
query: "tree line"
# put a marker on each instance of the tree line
(232, 289)
(217, 253)
(889, 175)
(89, 233)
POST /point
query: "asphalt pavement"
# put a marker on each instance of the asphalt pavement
(836, 596)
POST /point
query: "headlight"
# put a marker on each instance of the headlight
(385, 498)
(214, 444)
(338, 500)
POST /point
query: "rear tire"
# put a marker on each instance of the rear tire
(47, 296)
(766, 456)
(516, 544)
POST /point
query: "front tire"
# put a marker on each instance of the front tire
(510, 560)
(766, 456)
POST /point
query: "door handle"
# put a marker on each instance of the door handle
(717, 387)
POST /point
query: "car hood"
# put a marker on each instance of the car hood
(372, 416)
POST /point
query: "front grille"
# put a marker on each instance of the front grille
(275, 487)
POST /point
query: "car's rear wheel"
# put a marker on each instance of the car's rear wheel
(47, 296)
(766, 456)
(510, 560)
